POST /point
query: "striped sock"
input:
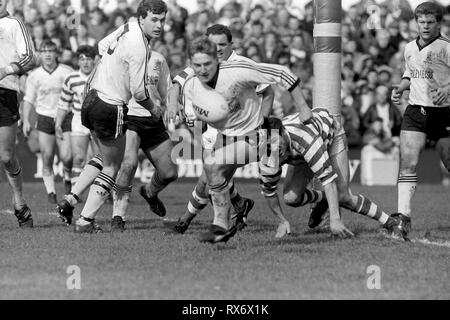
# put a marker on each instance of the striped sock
(311, 196)
(88, 175)
(368, 208)
(98, 194)
(197, 203)
(407, 185)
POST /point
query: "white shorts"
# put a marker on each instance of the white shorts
(209, 138)
(78, 130)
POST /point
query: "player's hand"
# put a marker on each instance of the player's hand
(396, 96)
(339, 229)
(59, 132)
(440, 96)
(26, 128)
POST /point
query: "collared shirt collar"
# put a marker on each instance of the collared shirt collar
(421, 47)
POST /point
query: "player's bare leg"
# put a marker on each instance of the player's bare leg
(65, 156)
(166, 172)
(47, 144)
(123, 187)
(14, 174)
(113, 152)
(411, 145)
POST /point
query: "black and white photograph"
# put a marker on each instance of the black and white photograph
(225, 155)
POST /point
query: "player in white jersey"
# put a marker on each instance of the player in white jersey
(16, 58)
(230, 87)
(43, 90)
(149, 134)
(72, 97)
(223, 39)
(120, 75)
(312, 149)
(427, 76)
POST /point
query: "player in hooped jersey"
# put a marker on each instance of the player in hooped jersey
(120, 75)
(427, 76)
(223, 39)
(310, 149)
(16, 58)
(231, 86)
(72, 97)
(43, 90)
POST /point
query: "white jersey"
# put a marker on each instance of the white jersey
(428, 68)
(72, 95)
(43, 89)
(159, 81)
(16, 48)
(236, 83)
(122, 70)
(189, 72)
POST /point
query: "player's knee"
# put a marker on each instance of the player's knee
(6, 157)
(78, 161)
(292, 199)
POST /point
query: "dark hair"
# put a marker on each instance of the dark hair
(202, 45)
(429, 8)
(153, 6)
(257, 23)
(220, 29)
(88, 51)
(48, 44)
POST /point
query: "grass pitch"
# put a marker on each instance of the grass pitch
(148, 262)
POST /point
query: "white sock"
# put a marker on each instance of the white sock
(49, 182)
(406, 189)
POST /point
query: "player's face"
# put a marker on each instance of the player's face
(205, 66)
(428, 27)
(224, 48)
(153, 24)
(86, 64)
(3, 4)
(48, 56)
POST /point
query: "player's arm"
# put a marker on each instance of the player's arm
(64, 104)
(263, 73)
(267, 98)
(25, 51)
(175, 94)
(28, 103)
(441, 94)
(316, 155)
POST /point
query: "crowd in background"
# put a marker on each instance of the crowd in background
(273, 32)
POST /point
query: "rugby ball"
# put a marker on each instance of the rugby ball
(210, 106)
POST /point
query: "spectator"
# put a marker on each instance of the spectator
(81, 38)
(97, 24)
(391, 118)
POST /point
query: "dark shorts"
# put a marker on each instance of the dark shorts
(152, 132)
(108, 121)
(434, 122)
(47, 124)
(9, 107)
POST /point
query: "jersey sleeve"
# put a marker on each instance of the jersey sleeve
(106, 42)
(31, 89)
(24, 48)
(183, 76)
(66, 97)
(265, 73)
(186, 99)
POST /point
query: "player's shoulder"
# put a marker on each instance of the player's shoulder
(237, 64)
(36, 72)
(72, 76)
(444, 41)
(16, 22)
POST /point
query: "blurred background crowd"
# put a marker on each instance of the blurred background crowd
(276, 31)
